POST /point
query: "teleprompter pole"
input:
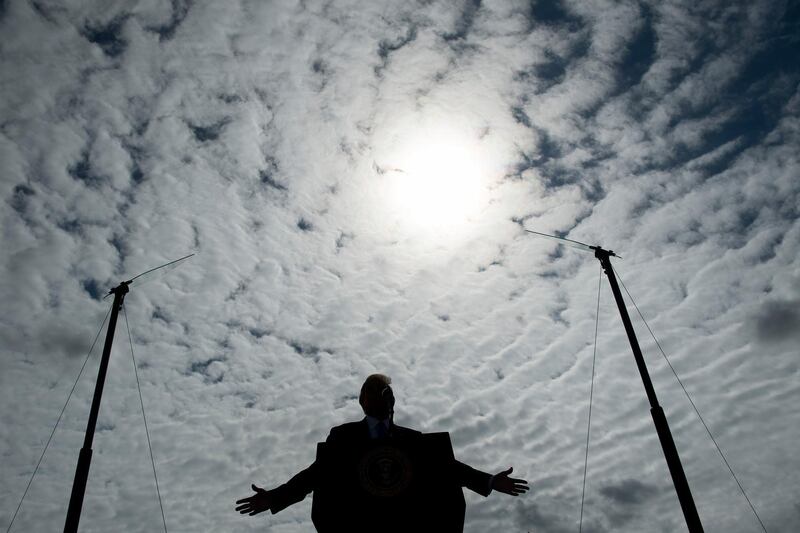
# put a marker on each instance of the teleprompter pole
(659, 419)
(85, 456)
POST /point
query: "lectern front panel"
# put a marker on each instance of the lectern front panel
(389, 486)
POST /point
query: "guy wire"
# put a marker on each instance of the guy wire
(146, 431)
(41, 457)
(591, 394)
(741, 488)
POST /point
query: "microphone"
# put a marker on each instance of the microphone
(387, 396)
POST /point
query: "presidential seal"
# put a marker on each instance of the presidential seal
(385, 471)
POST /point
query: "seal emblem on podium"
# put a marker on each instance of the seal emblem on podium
(385, 471)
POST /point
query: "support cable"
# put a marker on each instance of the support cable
(591, 394)
(741, 488)
(146, 431)
(41, 457)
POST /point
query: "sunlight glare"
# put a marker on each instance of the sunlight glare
(435, 180)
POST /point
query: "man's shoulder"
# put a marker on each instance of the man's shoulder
(348, 431)
(349, 427)
(358, 429)
(401, 431)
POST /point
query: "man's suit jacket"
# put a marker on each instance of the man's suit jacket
(297, 488)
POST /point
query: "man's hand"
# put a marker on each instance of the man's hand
(509, 485)
(257, 503)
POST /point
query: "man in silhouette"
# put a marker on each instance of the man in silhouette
(377, 401)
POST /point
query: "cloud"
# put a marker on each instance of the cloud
(265, 138)
(530, 516)
(778, 321)
(628, 492)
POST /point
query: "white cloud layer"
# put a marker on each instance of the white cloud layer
(268, 138)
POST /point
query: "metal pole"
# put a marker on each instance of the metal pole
(659, 419)
(85, 456)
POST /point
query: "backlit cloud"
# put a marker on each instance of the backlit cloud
(355, 178)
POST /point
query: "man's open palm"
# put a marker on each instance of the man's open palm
(509, 485)
(257, 503)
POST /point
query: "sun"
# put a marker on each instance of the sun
(434, 179)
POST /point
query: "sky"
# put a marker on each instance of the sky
(355, 179)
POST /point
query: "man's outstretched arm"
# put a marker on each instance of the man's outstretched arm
(291, 492)
(257, 503)
(281, 497)
(501, 482)
(484, 483)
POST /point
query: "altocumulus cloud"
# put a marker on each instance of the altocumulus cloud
(269, 138)
(779, 320)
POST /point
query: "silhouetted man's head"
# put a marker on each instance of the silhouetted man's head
(377, 397)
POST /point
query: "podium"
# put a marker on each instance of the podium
(388, 486)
